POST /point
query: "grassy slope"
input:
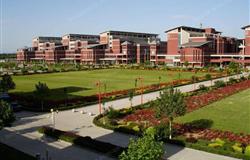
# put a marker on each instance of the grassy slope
(231, 113)
(115, 79)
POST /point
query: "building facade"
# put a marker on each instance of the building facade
(196, 46)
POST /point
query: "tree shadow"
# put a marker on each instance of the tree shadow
(47, 146)
(59, 97)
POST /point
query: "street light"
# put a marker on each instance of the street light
(99, 84)
(53, 120)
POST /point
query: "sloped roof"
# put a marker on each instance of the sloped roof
(126, 43)
(93, 46)
(195, 44)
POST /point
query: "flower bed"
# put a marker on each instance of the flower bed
(194, 136)
(198, 101)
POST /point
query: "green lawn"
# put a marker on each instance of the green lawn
(229, 114)
(82, 83)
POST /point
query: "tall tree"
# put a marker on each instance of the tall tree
(41, 92)
(170, 104)
(7, 83)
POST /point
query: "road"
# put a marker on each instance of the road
(23, 135)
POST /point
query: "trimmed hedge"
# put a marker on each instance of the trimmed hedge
(84, 142)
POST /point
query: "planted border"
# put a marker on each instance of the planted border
(84, 142)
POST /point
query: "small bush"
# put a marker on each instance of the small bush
(247, 150)
(237, 148)
(162, 131)
(112, 113)
(242, 78)
(219, 84)
(200, 124)
(203, 88)
(208, 76)
(232, 80)
(85, 142)
(217, 143)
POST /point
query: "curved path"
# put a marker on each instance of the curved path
(23, 135)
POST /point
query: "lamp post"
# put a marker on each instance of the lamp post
(98, 84)
(53, 120)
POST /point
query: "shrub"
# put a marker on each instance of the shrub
(6, 113)
(219, 84)
(136, 128)
(151, 131)
(237, 147)
(232, 80)
(247, 150)
(112, 113)
(203, 87)
(217, 143)
(200, 124)
(208, 76)
(85, 142)
(143, 148)
(127, 129)
(242, 78)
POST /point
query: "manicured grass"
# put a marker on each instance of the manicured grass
(9, 153)
(229, 114)
(82, 83)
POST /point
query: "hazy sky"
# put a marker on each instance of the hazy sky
(21, 20)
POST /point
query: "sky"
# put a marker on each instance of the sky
(22, 20)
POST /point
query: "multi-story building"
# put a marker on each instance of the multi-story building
(197, 46)
(126, 47)
(74, 43)
(25, 54)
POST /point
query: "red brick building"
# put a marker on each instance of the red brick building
(197, 46)
(200, 47)
(126, 47)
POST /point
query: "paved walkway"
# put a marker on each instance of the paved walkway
(23, 135)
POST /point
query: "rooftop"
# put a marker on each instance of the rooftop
(190, 28)
(81, 35)
(125, 32)
(245, 27)
(42, 39)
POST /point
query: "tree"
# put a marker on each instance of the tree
(6, 113)
(131, 96)
(7, 83)
(171, 104)
(41, 92)
(145, 147)
(234, 67)
(186, 64)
